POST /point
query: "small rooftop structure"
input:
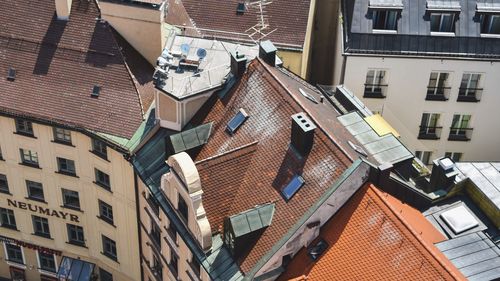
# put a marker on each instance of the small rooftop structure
(189, 66)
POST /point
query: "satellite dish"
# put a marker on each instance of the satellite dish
(185, 49)
(201, 53)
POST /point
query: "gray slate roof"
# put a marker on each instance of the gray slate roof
(486, 176)
(474, 255)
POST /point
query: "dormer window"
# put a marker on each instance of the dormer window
(443, 15)
(385, 19)
(490, 24)
(385, 14)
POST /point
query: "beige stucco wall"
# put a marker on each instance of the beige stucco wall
(292, 60)
(405, 102)
(140, 26)
(122, 197)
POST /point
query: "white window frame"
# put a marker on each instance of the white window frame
(380, 82)
(456, 130)
(22, 266)
(441, 16)
(427, 125)
(44, 272)
(385, 29)
(469, 82)
(452, 154)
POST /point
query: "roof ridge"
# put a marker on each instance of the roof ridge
(298, 102)
(227, 153)
(448, 267)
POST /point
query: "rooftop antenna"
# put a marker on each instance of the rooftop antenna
(261, 29)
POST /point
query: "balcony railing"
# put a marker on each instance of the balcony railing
(469, 94)
(429, 133)
(460, 134)
(438, 93)
(375, 91)
(422, 45)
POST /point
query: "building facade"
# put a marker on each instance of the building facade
(64, 194)
(429, 68)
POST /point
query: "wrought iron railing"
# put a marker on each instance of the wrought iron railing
(429, 133)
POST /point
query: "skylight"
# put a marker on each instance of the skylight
(295, 184)
(236, 121)
(459, 219)
(95, 91)
(240, 9)
(314, 252)
(11, 74)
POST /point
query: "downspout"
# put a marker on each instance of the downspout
(137, 209)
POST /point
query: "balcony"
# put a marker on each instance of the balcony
(429, 133)
(460, 134)
(422, 45)
(376, 91)
(438, 93)
(469, 94)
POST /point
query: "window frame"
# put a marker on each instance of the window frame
(10, 216)
(105, 208)
(24, 127)
(4, 184)
(490, 18)
(30, 185)
(40, 256)
(441, 20)
(66, 171)
(64, 133)
(377, 13)
(44, 223)
(8, 248)
(109, 248)
(106, 274)
(183, 209)
(106, 184)
(455, 156)
(99, 148)
(78, 231)
(27, 158)
(64, 193)
(424, 156)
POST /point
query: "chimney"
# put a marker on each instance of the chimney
(267, 52)
(443, 175)
(63, 9)
(302, 133)
(238, 64)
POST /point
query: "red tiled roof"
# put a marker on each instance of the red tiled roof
(251, 167)
(369, 240)
(289, 18)
(59, 62)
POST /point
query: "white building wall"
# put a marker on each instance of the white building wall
(405, 102)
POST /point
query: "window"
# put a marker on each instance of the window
(455, 156)
(292, 187)
(443, 22)
(173, 264)
(4, 184)
(490, 24)
(375, 86)
(385, 19)
(424, 156)
(29, 157)
(172, 233)
(157, 268)
(155, 234)
(1, 155)
(236, 121)
(14, 253)
(183, 209)
(460, 130)
(41, 226)
(429, 126)
(24, 127)
(109, 248)
(102, 179)
(438, 88)
(469, 87)
(47, 262)
(7, 218)
(106, 212)
(35, 190)
(71, 199)
(47, 278)
(66, 166)
(104, 275)
(75, 235)
(99, 148)
(62, 135)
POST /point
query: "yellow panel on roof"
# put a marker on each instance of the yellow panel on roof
(380, 126)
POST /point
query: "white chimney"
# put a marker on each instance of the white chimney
(63, 9)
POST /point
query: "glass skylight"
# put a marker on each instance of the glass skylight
(295, 184)
(459, 219)
(236, 121)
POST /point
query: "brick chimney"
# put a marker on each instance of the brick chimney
(302, 137)
(63, 9)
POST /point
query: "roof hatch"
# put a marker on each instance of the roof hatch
(293, 186)
(95, 91)
(11, 74)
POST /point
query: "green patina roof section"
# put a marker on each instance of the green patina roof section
(345, 175)
(252, 220)
(191, 138)
(220, 264)
(143, 130)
